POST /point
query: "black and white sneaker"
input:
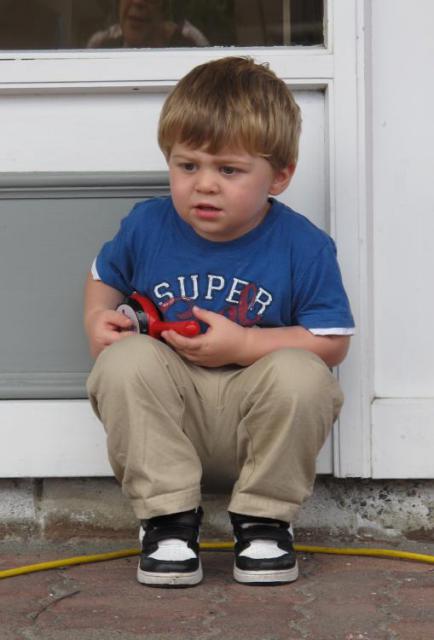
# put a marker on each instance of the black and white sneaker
(170, 550)
(264, 552)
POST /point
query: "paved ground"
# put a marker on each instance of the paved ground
(335, 598)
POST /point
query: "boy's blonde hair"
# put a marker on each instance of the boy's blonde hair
(233, 102)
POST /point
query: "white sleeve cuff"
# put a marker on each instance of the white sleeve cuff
(334, 331)
(94, 271)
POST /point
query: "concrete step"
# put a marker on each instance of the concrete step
(66, 508)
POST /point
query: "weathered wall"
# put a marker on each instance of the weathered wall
(86, 508)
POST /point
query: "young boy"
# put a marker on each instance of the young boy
(252, 397)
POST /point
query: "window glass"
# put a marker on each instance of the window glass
(96, 24)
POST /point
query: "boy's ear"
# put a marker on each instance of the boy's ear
(282, 178)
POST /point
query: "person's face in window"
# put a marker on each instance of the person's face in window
(138, 20)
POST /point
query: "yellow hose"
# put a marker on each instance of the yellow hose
(215, 546)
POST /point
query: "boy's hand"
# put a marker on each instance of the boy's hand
(106, 326)
(223, 343)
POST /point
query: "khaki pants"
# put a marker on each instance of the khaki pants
(172, 425)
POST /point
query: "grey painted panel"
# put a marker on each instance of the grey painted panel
(47, 244)
(90, 184)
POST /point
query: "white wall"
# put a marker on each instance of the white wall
(403, 144)
(403, 215)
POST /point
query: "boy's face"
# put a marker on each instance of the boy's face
(224, 195)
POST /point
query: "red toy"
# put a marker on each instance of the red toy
(146, 318)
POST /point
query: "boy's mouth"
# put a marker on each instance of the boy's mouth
(205, 210)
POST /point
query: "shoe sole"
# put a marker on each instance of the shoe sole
(152, 578)
(266, 577)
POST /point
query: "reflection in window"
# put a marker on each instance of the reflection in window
(78, 24)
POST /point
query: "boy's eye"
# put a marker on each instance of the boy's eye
(188, 166)
(229, 171)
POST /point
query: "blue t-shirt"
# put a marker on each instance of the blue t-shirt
(283, 272)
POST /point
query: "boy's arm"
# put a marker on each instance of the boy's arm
(103, 325)
(226, 342)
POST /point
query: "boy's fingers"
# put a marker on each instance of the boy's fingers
(122, 319)
(205, 315)
(114, 336)
(181, 342)
(117, 319)
(125, 334)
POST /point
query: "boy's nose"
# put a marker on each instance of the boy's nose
(206, 181)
